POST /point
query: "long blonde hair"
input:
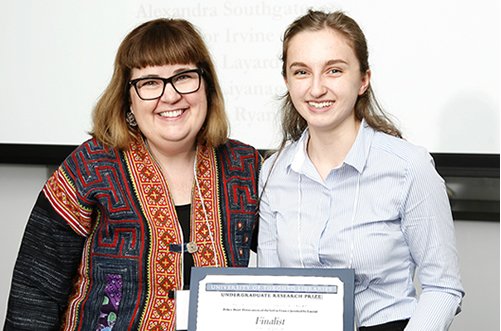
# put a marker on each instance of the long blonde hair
(155, 43)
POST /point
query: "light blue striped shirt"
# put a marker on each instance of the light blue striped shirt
(384, 212)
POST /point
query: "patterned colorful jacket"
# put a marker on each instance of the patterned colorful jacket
(96, 253)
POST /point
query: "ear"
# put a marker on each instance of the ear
(365, 80)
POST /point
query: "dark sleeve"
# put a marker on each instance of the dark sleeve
(254, 239)
(255, 231)
(43, 275)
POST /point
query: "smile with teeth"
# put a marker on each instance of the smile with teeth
(172, 113)
(319, 105)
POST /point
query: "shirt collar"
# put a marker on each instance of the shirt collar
(359, 152)
(299, 153)
(356, 157)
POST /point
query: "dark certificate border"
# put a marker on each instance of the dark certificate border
(347, 276)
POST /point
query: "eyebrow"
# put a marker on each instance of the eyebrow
(182, 69)
(328, 63)
(175, 72)
(337, 61)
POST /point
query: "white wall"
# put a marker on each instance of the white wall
(478, 246)
(435, 64)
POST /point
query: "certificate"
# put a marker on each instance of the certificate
(271, 299)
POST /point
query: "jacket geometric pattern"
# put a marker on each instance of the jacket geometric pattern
(96, 253)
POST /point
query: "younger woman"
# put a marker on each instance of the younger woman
(345, 191)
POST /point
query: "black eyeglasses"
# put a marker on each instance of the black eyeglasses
(151, 88)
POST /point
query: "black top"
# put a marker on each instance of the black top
(183, 215)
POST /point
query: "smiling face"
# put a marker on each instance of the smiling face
(324, 81)
(173, 118)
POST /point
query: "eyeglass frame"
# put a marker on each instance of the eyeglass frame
(133, 82)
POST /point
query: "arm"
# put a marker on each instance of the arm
(267, 255)
(429, 230)
(48, 259)
(255, 231)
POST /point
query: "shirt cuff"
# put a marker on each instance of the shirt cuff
(434, 312)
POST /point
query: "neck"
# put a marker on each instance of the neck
(172, 153)
(177, 169)
(173, 157)
(328, 149)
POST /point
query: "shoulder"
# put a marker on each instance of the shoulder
(94, 146)
(396, 152)
(237, 146)
(235, 153)
(91, 151)
(237, 149)
(280, 159)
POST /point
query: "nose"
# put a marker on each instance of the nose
(318, 87)
(170, 95)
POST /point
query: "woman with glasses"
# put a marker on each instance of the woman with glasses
(345, 191)
(158, 189)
